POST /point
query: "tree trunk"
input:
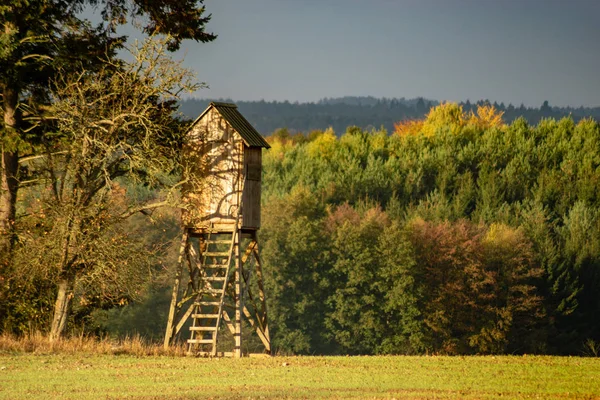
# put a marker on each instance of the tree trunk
(9, 167)
(66, 283)
(62, 307)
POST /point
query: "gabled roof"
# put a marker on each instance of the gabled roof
(237, 121)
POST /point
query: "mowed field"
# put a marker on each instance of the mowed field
(89, 376)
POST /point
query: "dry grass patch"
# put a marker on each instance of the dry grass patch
(38, 343)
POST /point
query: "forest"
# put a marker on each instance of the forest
(441, 229)
(453, 234)
(456, 234)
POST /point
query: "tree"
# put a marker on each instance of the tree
(376, 294)
(357, 320)
(479, 287)
(297, 281)
(39, 36)
(113, 125)
(452, 117)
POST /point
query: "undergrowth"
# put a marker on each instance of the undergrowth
(39, 343)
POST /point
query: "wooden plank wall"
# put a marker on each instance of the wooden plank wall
(252, 191)
(219, 166)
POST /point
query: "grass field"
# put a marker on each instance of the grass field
(94, 376)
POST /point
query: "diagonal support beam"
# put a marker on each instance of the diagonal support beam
(261, 292)
(170, 333)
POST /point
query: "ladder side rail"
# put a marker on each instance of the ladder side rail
(200, 289)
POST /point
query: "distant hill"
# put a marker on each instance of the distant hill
(365, 112)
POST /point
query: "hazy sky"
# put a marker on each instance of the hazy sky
(519, 51)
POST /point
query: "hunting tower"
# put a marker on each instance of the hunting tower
(222, 158)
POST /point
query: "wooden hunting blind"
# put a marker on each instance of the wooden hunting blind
(222, 158)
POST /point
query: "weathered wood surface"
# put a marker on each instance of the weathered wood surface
(217, 164)
(252, 189)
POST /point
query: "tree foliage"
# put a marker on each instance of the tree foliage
(468, 237)
(58, 72)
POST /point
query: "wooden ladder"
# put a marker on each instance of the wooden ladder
(214, 275)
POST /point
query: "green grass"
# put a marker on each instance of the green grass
(92, 376)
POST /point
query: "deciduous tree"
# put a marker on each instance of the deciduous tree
(39, 36)
(113, 125)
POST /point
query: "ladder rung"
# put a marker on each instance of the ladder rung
(205, 315)
(207, 303)
(203, 328)
(218, 241)
(213, 291)
(215, 266)
(215, 254)
(214, 278)
(200, 341)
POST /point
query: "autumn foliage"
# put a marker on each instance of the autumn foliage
(450, 116)
(480, 283)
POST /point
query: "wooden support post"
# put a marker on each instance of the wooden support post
(258, 319)
(239, 304)
(170, 333)
(262, 297)
(264, 337)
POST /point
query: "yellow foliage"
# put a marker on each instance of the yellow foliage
(379, 141)
(278, 148)
(323, 146)
(587, 124)
(450, 116)
(486, 117)
(503, 236)
(408, 127)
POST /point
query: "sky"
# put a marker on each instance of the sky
(511, 51)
